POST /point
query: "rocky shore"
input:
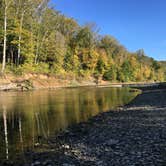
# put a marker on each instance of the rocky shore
(129, 136)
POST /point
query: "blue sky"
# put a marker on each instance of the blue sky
(134, 23)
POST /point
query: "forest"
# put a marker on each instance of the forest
(36, 38)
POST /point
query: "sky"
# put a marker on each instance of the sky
(136, 24)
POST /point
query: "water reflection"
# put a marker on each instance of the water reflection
(5, 131)
(28, 118)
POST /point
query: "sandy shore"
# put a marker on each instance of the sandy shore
(131, 135)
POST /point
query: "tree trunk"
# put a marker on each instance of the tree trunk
(11, 57)
(20, 38)
(4, 41)
(37, 49)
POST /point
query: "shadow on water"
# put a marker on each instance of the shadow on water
(27, 119)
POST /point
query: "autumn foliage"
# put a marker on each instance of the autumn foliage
(40, 39)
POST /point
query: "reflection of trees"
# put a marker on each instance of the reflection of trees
(5, 131)
(30, 117)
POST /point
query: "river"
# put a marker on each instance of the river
(27, 119)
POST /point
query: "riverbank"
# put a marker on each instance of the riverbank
(42, 81)
(131, 135)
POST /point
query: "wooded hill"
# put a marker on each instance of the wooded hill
(35, 38)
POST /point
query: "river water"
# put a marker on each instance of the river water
(27, 119)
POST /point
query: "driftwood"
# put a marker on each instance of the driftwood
(10, 86)
(20, 85)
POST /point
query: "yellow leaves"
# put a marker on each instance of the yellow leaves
(133, 61)
(94, 59)
(89, 57)
(160, 75)
(103, 55)
(146, 72)
(139, 76)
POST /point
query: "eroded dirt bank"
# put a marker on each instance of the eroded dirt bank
(43, 81)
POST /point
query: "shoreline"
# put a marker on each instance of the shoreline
(134, 134)
(39, 82)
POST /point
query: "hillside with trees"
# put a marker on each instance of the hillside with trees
(35, 38)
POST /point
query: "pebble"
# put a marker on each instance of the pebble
(36, 163)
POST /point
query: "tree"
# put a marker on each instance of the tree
(111, 74)
(37, 38)
(6, 4)
(39, 12)
(127, 71)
